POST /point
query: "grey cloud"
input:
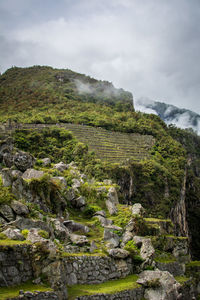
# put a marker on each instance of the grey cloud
(149, 47)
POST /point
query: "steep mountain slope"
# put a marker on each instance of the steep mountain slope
(171, 114)
(49, 96)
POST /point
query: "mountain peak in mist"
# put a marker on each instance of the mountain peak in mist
(170, 114)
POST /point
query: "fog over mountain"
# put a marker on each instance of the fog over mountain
(171, 114)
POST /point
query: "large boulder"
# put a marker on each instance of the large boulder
(32, 174)
(46, 161)
(111, 237)
(7, 213)
(23, 161)
(159, 285)
(112, 201)
(126, 237)
(137, 209)
(19, 208)
(6, 177)
(13, 234)
(118, 253)
(6, 146)
(25, 223)
(80, 240)
(60, 230)
(74, 226)
(8, 159)
(78, 202)
(146, 249)
(60, 166)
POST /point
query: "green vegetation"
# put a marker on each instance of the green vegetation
(164, 257)
(123, 216)
(182, 279)
(13, 291)
(5, 194)
(46, 95)
(8, 242)
(43, 234)
(109, 287)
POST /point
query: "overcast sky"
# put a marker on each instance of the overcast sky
(149, 47)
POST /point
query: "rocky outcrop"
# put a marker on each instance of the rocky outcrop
(137, 209)
(13, 234)
(159, 285)
(112, 201)
(32, 173)
(23, 160)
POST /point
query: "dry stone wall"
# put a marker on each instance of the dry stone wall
(15, 264)
(136, 294)
(95, 269)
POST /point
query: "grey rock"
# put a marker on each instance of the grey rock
(6, 146)
(25, 223)
(112, 195)
(111, 237)
(100, 213)
(60, 166)
(137, 209)
(13, 234)
(74, 226)
(175, 268)
(16, 174)
(146, 249)
(127, 236)
(131, 225)
(7, 213)
(34, 236)
(32, 173)
(118, 253)
(93, 246)
(19, 208)
(60, 230)
(104, 221)
(112, 201)
(8, 159)
(23, 161)
(165, 286)
(46, 161)
(78, 202)
(78, 239)
(76, 183)
(6, 177)
(111, 207)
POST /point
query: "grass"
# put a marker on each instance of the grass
(8, 242)
(66, 254)
(123, 215)
(181, 279)
(157, 220)
(109, 287)
(195, 263)
(13, 291)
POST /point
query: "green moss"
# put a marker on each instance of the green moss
(109, 287)
(43, 234)
(195, 263)
(182, 279)
(123, 215)
(13, 291)
(25, 232)
(8, 242)
(2, 236)
(66, 254)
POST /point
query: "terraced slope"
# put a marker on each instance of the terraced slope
(111, 146)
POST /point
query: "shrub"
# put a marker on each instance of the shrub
(25, 232)
(43, 234)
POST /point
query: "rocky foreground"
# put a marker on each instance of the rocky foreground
(67, 236)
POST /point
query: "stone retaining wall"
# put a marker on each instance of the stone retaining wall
(136, 294)
(36, 296)
(95, 269)
(15, 264)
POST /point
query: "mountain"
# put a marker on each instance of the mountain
(92, 190)
(170, 114)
